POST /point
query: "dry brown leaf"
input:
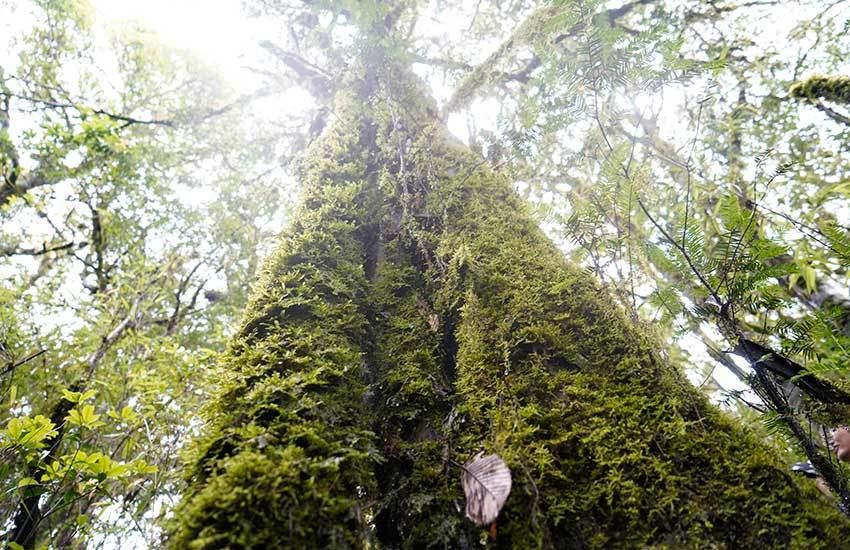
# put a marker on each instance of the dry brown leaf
(486, 482)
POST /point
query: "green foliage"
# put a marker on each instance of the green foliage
(117, 289)
(28, 434)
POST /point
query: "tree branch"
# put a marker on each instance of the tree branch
(15, 364)
(40, 251)
(15, 185)
(484, 73)
(313, 77)
(831, 113)
(790, 370)
(824, 466)
(102, 112)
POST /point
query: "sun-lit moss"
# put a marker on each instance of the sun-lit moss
(288, 453)
(413, 315)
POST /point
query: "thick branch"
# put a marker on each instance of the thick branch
(444, 63)
(790, 370)
(311, 76)
(21, 185)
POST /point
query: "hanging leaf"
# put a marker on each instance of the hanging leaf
(486, 483)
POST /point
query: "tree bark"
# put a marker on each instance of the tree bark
(413, 315)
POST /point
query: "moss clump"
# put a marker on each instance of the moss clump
(288, 453)
(831, 88)
(609, 446)
(415, 315)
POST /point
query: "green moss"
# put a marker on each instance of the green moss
(415, 315)
(831, 88)
(609, 446)
(412, 403)
(288, 453)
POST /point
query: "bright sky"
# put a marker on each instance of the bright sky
(215, 30)
(220, 33)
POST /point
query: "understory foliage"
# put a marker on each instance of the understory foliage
(414, 314)
(115, 291)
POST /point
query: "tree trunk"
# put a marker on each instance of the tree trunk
(413, 315)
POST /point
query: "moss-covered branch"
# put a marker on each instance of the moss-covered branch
(817, 88)
(830, 88)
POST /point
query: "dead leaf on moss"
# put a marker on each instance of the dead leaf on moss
(486, 483)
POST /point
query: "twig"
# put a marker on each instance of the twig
(684, 253)
(12, 366)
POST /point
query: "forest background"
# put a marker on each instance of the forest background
(690, 155)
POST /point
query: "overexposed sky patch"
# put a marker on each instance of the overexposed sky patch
(217, 32)
(214, 29)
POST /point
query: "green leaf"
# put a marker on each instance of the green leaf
(26, 481)
(53, 471)
(28, 433)
(792, 279)
(142, 467)
(810, 277)
(78, 397)
(841, 188)
(85, 417)
(717, 65)
(102, 467)
(128, 414)
(14, 429)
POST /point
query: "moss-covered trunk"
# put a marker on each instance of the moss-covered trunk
(413, 315)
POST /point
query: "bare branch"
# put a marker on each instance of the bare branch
(15, 364)
(45, 249)
(831, 113)
(102, 112)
